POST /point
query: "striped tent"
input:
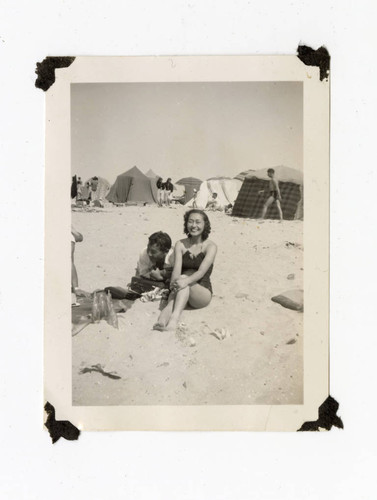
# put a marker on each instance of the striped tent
(190, 183)
(241, 176)
(255, 191)
(133, 186)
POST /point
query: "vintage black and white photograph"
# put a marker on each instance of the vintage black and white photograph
(187, 243)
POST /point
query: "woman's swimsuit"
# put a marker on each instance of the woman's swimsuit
(191, 261)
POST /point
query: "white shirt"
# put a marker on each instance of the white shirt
(145, 265)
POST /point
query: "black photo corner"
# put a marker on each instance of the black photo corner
(59, 428)
(327, 417)
(319, 58)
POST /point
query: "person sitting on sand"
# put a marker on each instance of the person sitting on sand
(213, 204)
(75, 237)
(275, 196)
(156, 262)
(190, 281)
(228, 209)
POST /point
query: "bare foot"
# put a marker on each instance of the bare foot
(172, 325)
(165, 315)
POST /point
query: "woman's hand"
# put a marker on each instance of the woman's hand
(179, 284)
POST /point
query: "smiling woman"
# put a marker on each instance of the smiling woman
(190, 281)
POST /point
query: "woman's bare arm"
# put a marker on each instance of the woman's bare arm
(177, 269)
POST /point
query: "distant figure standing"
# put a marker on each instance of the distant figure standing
(94, 184)
(194, 204)
(168, 191)
(79, 189)
(275, 196)
(74, 187)
(75, 238)
(160, 192)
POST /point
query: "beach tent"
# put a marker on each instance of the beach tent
(133, 186)
(190, 183)
(255, 191)
(100, 188)
(241, 176)
(178, 191)
(226, 188)
(151, 174)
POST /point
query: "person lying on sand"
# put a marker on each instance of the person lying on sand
(190, 281)
(156, 262)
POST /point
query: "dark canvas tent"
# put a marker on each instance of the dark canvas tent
(190, 183)
(255, 191)
(133, 186)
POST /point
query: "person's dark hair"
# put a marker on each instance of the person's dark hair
(207, 224)
(95, 178)
(270, 171)
(161, 240)
(214, 194)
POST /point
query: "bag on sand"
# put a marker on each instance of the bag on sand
(119, 293)
(136, 288)
(141, 285)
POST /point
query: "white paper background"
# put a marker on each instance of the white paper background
(338, 464)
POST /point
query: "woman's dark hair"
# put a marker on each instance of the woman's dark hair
(161, 240)
(207, 224)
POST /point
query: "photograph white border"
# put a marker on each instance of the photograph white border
(58, 341)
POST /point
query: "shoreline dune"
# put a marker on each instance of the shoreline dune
(259, 362)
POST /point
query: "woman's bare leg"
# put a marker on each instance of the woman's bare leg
(165, 314)
(180, 302)
(199, 296)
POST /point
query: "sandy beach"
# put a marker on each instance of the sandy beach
(259, 361)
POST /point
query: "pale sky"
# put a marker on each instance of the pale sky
(185, 129)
